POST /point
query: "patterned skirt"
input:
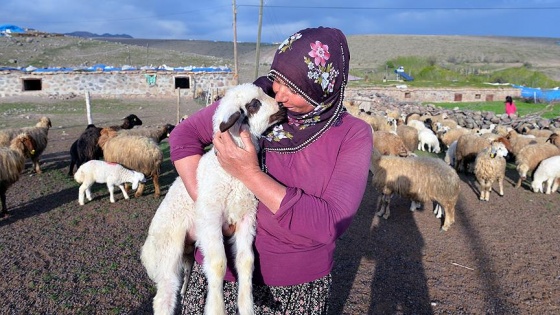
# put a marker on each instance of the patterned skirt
(308, 298)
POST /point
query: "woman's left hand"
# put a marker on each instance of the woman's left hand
(238, 162)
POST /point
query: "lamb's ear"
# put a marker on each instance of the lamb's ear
(225, 125)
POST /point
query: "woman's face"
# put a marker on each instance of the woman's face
(290, 99)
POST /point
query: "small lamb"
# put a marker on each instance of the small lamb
(548, 171)
(96, 171)
(222, 199)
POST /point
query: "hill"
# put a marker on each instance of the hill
(93, 35)
(369, 53)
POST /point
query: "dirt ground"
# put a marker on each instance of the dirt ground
(500, 257)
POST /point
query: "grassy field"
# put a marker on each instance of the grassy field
(524, 109)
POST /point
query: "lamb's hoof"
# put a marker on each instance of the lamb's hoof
(386, 216)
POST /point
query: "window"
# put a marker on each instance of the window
(32, 85)
(182, 83)
(477, 96)
(458, 97)
(490, 97)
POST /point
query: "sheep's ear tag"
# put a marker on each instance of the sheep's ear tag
(225, 125)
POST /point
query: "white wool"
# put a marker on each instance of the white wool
(96, 171)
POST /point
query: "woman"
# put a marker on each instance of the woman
(511, 109)
(309, 177)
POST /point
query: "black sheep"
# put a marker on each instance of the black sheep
(86, 147)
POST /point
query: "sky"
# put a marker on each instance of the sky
(214, 19)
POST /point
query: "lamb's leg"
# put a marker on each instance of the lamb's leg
(111, 189)
(244, 263)
(387, 202)
(549, 182)
(210, 241)
(380, 208)
(81, 191)
(125, 194)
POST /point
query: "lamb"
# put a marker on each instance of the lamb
(138, 153)
(389, 143)
(158, 134)
(112, 174)
(548, 171)
(164, 254)
(422, 179)
(12, 163)
(427, 138)
(39, 133)
(531, 156)
(450, 154)
(490, 166)
(87, 148)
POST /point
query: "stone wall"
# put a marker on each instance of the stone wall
(114, 84)
(408, 94)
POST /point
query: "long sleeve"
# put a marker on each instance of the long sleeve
(191, 136)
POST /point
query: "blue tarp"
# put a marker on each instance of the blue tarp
(546, 95)
(9, 28)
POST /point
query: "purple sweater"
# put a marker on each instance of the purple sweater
(325, 185)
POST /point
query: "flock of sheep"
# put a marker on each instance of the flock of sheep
(483, 152)
(135, 150)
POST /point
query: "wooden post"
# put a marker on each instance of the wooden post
(178, 103)
(88, 109)
(258, 49)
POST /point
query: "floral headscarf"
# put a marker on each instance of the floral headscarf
(314, 63)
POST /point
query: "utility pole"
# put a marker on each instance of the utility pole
(235, 61)
(258, 50)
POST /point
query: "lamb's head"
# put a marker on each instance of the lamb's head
(137, 178)
(247, 106)
(44, 122)
(498, 149)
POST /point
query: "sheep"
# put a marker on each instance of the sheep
(389, 143)
(409, 136)
(158, 134)
(419, 125)
(519, 141)
(422, 179)
(40, 135)
(490, 129)
(450, 154)
(530, 156)
(12, 163)
(378, 122)
(138, 153)
(87, 148)
(427, 138)
(447, 137)
(164, 254)
(490, 166)
(548, 171)
(468, 146)
(95, 171)
(554, 139)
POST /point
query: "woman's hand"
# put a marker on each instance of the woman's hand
(238, 162)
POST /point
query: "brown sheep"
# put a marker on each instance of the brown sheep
(531, 156)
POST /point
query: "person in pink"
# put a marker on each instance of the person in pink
(511, 109)
(309, 177)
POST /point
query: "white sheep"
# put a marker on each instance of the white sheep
(12, 162)
(490, 166)
(428, 141)
(531, 156)
(164, 254)
(421, 179)
(548, 171)
(96, 171)
(450, 154)
(138, 153)
(39, 133)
